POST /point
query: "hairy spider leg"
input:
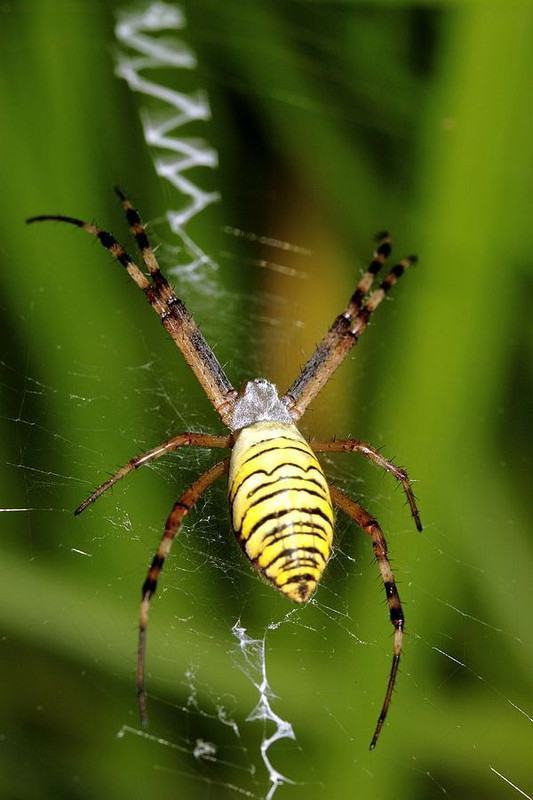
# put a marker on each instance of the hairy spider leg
(339, 340)
(174, 315)
(181, 440)
(173, 524)
(339, 325)
(366, 450)
(379, 257)
(377, 296)
(138, 231)
(371, 527)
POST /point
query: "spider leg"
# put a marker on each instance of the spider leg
(173, 524)
(361, 320)
(329, 341)
(356, 446)
(181, 440)
(343, 334)
(106, 239)
(174, 315)
(139, 232)
(379, 257)
(371, 527)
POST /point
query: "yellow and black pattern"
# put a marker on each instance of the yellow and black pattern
(280, 504)
(280, 507)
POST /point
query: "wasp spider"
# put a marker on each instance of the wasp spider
(281, 505)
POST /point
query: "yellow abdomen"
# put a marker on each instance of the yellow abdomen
(280, 507)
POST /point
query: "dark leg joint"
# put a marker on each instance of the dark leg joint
(398, 270)
(142, 240)
(106, 239)
(157, 562)
(358, 295)
(149, 587)
(396, 616)
(132, 216)
(159, 281)
(384, 250)
(390, 589)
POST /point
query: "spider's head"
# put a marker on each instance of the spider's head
(259, 401)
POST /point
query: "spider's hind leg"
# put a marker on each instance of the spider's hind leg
(371, 527)
(173, 524)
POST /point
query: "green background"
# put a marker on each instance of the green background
(331, 121)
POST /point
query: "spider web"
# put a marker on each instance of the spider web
(135, 31)
(225, 719)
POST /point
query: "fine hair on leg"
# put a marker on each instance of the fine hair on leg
(371, 527)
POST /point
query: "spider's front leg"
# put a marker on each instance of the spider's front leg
(174, 315)
(345, 330)
(371, 527)
(366, 450)
(173, 524)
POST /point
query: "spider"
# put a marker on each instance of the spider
(281, 505)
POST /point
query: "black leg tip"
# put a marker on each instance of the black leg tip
(412, 259)
(39, 218)
(82, 506)
(119, 192)
(381, 235)
(56, 218)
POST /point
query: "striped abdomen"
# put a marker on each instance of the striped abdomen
(280, 507)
